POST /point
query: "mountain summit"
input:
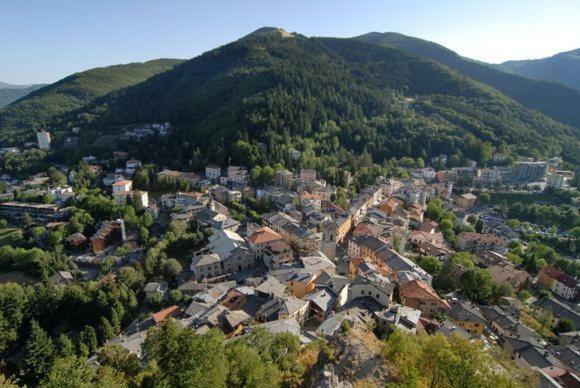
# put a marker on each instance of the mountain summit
(269, 31)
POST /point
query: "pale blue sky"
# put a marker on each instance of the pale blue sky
(45, 40)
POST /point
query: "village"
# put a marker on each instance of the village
(426, 253)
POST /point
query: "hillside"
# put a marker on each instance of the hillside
(19, 120)
(562, 67)
(554, 100)
(334, 99)
(10, 93)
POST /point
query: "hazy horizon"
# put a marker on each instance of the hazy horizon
(48, 41)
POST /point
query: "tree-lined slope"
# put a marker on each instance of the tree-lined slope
(19, 120)
(273, 92)
(553, 99)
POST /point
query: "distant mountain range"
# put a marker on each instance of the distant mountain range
(10, 93)
(563, 68)
(256, 99)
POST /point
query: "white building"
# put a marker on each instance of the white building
(213, 172)
(44, 140)
(122, 187)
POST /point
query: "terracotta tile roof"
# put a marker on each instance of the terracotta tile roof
(416, 289)
(264, 235)
(160, 316)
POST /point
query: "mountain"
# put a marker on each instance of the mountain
(338, 101)
(10, 93)
(73, 92)
(563, 68)
(555, 100)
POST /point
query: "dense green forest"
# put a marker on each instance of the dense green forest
(342, 103)
(18, 121)
(338, 101)
(555, 100)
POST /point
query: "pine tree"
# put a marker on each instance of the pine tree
(39, 354)
(106, 330)
(66, 346)
(88, 337)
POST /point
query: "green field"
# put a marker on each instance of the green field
(9, 236)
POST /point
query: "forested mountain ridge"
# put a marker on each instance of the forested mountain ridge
(333, 99)
(19, 120)
(563, 68)
(10, 93)
(554, 100)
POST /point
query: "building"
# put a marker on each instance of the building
(109, 233)
(468, 317)
(122, 187)
(488, 176)
(278, 253)
(284, 178)
(261, 239)
(506, 272)
(378, 288)
(177, 178)
(38, 212)
(418, 295)
(227, 254)
(529, 171)
(213, 172)
(237, 175)
(466, 200)
(308, 175)
(61, 194)
(554, 180)
(477, 242)
(43, 138)
(558, 282)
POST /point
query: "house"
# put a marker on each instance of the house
(402, 317)
(321, 304)
(420, 296)
(122, 187)
(293, 307)
(506, 272)
(477, 242)
(156, 288)
(62, 277)
(261, 239)
(302, 283)
(376, 287)
(277, 254)
(335, 284)
(213, 172)
(466, 200)
(227, 253)
(468, 317)
(559, 310)
(558, 282)
(449, 329)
